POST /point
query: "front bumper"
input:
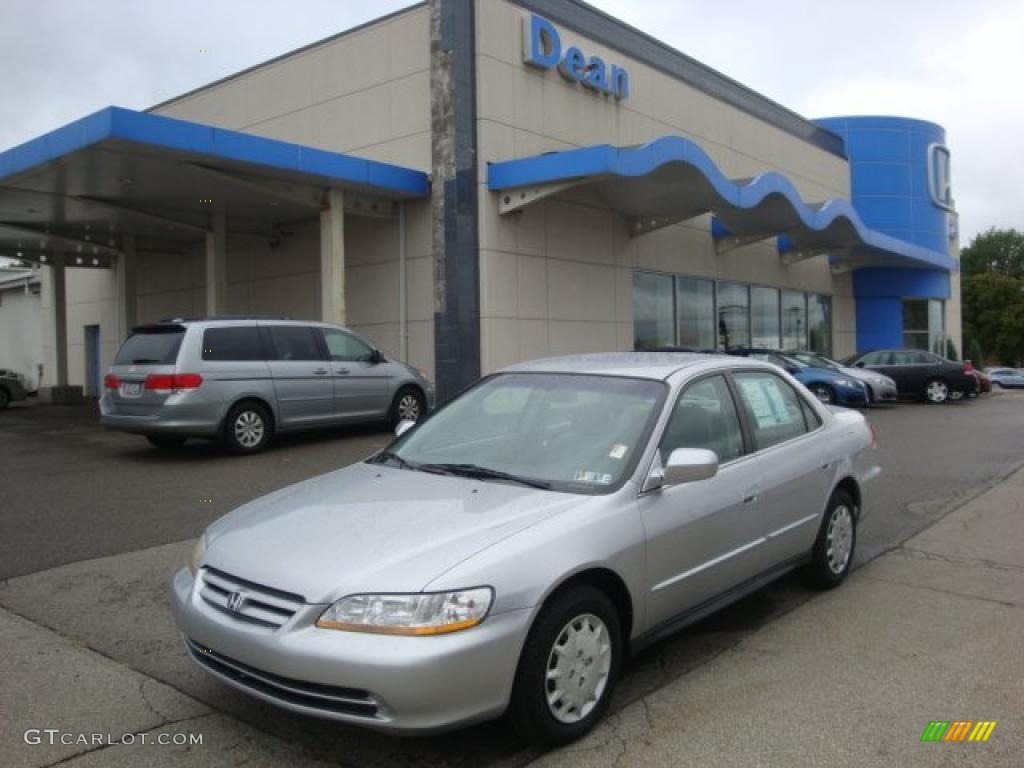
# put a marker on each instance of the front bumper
(883, 393)
(851, 395)
(399, 684)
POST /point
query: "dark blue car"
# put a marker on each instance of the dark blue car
(829, 386)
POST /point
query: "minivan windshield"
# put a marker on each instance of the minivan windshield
(153, 345)
(568, 432)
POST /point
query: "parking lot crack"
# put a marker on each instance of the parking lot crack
(952, 592)
(927, 555)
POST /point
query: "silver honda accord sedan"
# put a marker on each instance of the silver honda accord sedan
(506, 554)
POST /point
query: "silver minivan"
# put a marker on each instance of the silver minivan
(243, 380)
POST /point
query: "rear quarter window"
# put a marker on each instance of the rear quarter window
(151, 346)
(234, 344)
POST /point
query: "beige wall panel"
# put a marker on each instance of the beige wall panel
(578, 291)
(570, 337)
(421, 346)
(499, 284)
(499, 342)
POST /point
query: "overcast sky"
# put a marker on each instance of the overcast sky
(956, 63)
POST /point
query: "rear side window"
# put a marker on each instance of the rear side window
(294, 343)
(233, 344)
(774, 409)
(151, 346)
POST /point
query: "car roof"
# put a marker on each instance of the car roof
(645, 365)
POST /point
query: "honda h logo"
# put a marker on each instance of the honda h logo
(940, 189)
(236, 601)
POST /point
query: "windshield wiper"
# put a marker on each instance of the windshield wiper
(476, 471)
(384, 455)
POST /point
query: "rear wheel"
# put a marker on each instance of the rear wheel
(936, 391)
(568, 668)
(833, 549)
(248, 428)
(166, 442)
(408, 405)
(823, 392)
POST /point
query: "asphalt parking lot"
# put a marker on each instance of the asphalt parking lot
(95, 523)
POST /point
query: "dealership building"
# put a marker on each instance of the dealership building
(470, 183)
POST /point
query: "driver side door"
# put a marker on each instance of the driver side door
(361, 386)
(704, 537)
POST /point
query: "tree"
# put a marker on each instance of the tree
(995, 250)
(993, 314)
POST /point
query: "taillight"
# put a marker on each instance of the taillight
(874, 435)
(173, 382)
(110, 381)
(968, 366)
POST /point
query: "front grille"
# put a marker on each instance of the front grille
(327, 698)
(248, 601)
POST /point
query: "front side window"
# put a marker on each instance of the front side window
(233, 344)
(575, 433)
(704, 416)
(880, 357)
(343, 347)
(773, 408)
(294, 343)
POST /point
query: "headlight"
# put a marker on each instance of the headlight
(434, 613)
(197, 555)
(848, 383)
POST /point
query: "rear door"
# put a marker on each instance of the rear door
(302, 382)
(235, 363)
(361, 386)
(795, 458)
(149, 350)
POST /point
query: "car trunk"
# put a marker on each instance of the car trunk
(150, 351)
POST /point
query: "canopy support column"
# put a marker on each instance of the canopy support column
(332, 259)
(59, 391)
(126, 290)
(217, 266)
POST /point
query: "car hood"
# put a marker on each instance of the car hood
(863, 375)
(372, 528)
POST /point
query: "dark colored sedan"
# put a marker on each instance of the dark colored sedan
(919, 374)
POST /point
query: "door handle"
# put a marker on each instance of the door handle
(342, 371)
(320, 371)
(750, 499)
(827, 465)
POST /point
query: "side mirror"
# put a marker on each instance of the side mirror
(859, 364)
(376, 357)
(685, 465)
(792, 370)
(404, 426)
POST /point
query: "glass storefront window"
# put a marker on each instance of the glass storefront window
(764, 317)
(924, 325)
(794, 320)
(653, 311)
(819, 323)
(695, 305)
(733, 315)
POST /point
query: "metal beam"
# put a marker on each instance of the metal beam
(306, 197)
(154, 218)
(513, 200)
(39, 239)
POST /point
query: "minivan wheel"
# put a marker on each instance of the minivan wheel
(823, 393)
(248, 428)
(835, 545)
(408, 405)
(568, 668)
(166, 442)
(936, 391)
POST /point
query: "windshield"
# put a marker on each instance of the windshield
(151, 346)
(575, 433)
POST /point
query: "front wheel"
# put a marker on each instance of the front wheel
(936, 391)
(833, 549)
(408, 405)
(823, 393)
(248, 428)
(568, 668)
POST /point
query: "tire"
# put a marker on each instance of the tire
(407, 400)
(248, 428)
(824, 393)
(583, 615)
(870, 394)
(835, 545)
(166, 442)
(936, 391)
(5, 398)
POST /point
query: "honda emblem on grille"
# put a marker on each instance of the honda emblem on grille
(236, 601)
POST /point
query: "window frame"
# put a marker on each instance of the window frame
(271, 345)
(261, 339)
(322, 334)
(744, 437)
